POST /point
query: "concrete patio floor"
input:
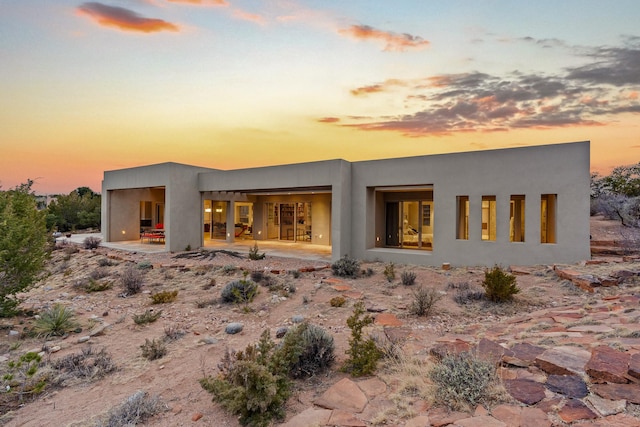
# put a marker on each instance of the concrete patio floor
(271, 248)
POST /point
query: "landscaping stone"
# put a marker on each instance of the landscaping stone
(523, 354)
(387, 319)
(628, 392)
(441, 417)
(534, 417)
(525, 391)
(344, 395)
(419, 421)
(483, 421)
(605, 407)
(634, 365)
(234, 328)
(309, 417)
(575, 410)
(569, 385)
(564, 360)
(372, 387)
(607, 365)
(344, 418)
(491, 351)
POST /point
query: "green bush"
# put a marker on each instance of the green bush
(252, 383)
(337, 301)
(363, 353)
(346, 267)
(91, 242)
(498, 285)
(390, 272)
(56, 320)
(462, 381)
(164, 297)
(310, 350)
(24, 378)
(132, 280)
(408, 278)
(135, 410)
(254, 253)
(147, 317)
(23, 245)
(239, 291)
(154, 349)
(424, 300)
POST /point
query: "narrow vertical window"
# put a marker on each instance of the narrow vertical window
(488, 217)
(516, 219)
(548, 218)
(462, 220)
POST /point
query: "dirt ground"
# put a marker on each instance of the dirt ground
(174, 378)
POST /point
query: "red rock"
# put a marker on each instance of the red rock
(509, 414)
(607, 365)
(523, 354)
(491, 351)
(344, 418)
(569, 385)
(440, 417)
(534, 417)
(634, 365)
(387, 319)
(309, 417)
(344, 395)
(196, 416)
(628, 392)
(372, 387)
(575, 410)
(563, 360)
(525, 391)
(483, 421)
(419, 421)
(444, 349)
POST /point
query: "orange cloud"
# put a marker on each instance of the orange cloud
(123, 19)
(393, 41)
(329, 120)
(246, 16)
(375, 88)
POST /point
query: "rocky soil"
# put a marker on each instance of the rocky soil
(566, 354)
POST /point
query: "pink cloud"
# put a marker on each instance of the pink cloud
(393, 41)
(123, 19)
(247, 16)
(202, 2)
(329, 120)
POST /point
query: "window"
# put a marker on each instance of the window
(516, 219)
(548, 218)
(408, 220)
(462, 219)
(488, 217)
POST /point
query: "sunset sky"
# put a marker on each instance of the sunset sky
(92, 86)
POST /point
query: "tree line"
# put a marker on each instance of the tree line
(617, 196)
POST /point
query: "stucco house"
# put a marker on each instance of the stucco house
(526, 205)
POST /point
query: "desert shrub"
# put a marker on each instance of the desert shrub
(99, 273)
(368, 272)
(295, 273)
(253, 383)
(210, 284)
(424, 300)
(408, 278)
(462, 381)
(173, 332)
(257, 275)
(363, 354)
(147, 317)
(229, 269)
(154, 349)
(310, 350)
(390, 272)
(164, 297)
(346, 267)
(87, 365)
(106, 262)
(91, 242)
(56, 320)
(467, 295)
(254, 253)
(202, 303)
(24, 377)
(95, 286)
(239, 291)
(337, 301)
(135, 410)
(145, 265)
(263, 278)
(131, 280)
(498, 285)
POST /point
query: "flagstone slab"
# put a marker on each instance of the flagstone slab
(344, 395)
(569, 385)
(525, 391)
(628, 392)
(565, 360)
(534, 417)
(606, 407)
(523, 354)
(594, 329)
(345, 418)
(483, 421)
(387, 319)
(634, 365)
(608, 365)
(575, 410)
(309, 417)
(491, 351)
